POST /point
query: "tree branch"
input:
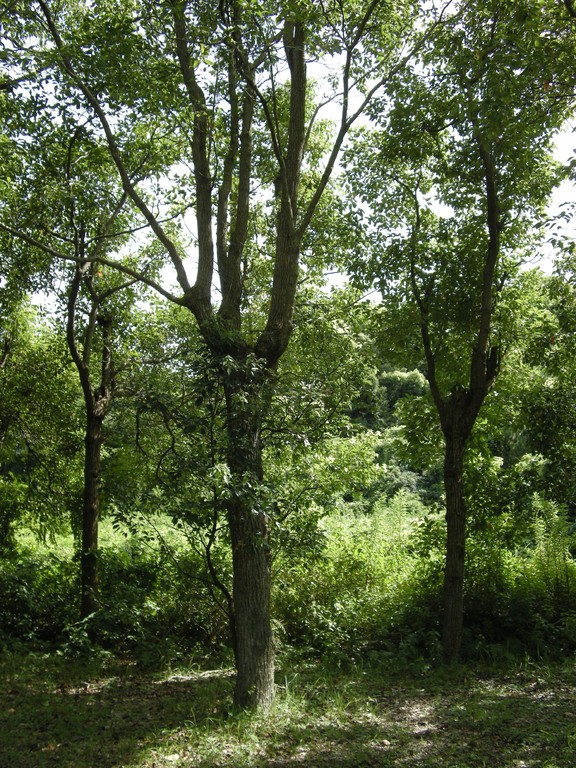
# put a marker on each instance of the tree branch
(136, 274)
(115, 153)
(481, 378)
(202, 174)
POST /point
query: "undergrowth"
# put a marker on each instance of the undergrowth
(372, 590)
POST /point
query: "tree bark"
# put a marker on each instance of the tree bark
(254, 641)
(453, 598)
(96, 402)
(249, 530)
(89, 601)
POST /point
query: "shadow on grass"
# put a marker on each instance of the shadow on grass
(51, 715)
(116, 717)
(518, 721)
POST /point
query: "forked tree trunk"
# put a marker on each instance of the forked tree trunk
(90, 517)
(458, 412)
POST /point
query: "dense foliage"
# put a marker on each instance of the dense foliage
(254, 399)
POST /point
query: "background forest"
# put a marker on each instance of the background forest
(280, 373)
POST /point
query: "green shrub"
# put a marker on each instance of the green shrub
(360, 595)
(523, 597)
(373, 587)
(546, 581)
(155, 596)
(37, 596)
(153, 600)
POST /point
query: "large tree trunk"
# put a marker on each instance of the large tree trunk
(455, 546)
(252, 634)
(90, 516)
(254, 641)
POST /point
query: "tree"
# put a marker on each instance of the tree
(465, 153)
(69, 190)
(223, 91)
(101, 319)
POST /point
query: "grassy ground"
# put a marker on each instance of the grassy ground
(110, 714)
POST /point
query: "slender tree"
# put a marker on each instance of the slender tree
(67, 189)
(466, 150)
(98, 390)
